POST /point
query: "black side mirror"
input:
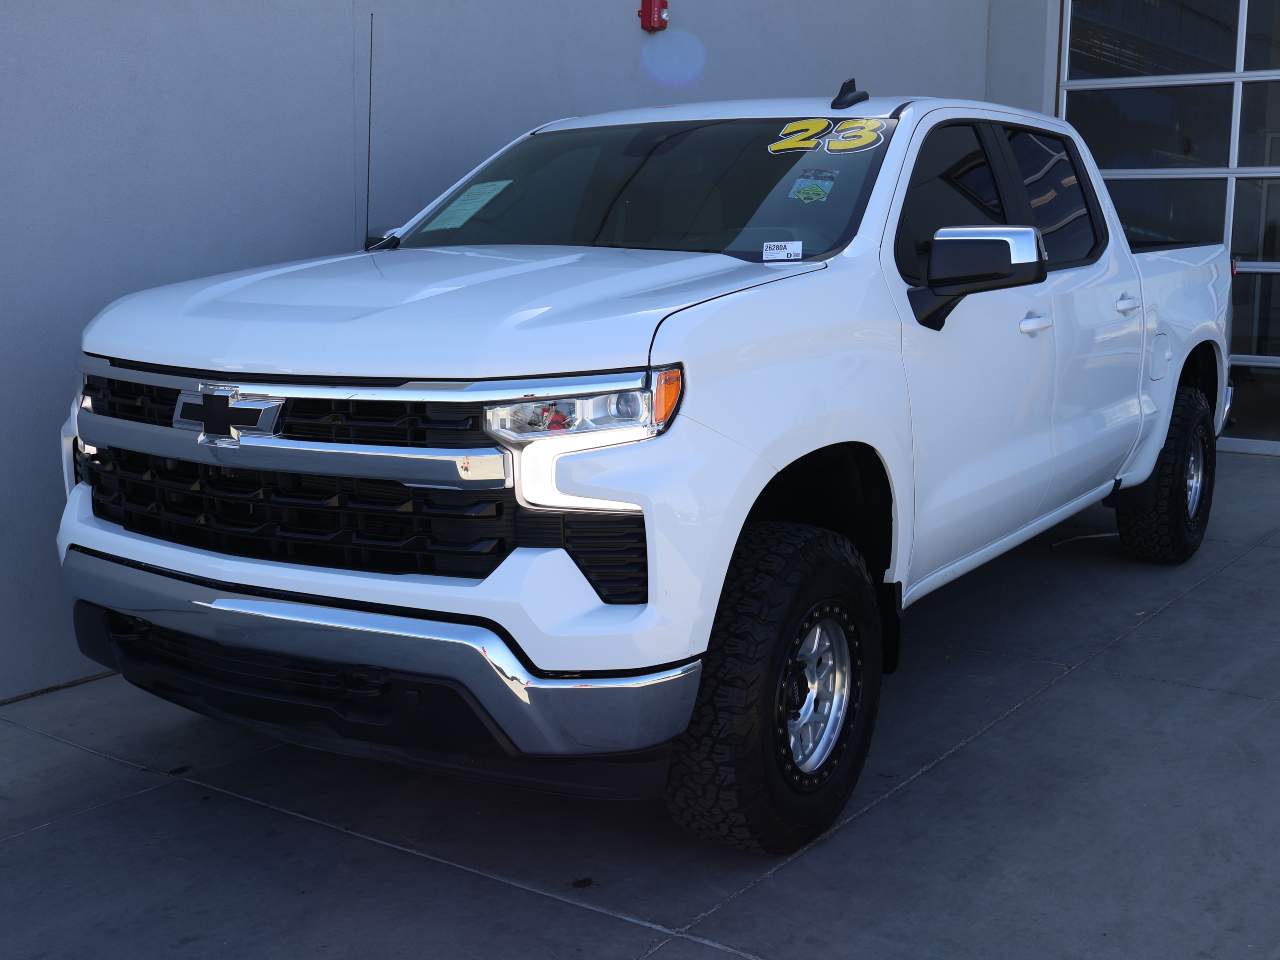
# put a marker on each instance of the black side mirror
(965, 260)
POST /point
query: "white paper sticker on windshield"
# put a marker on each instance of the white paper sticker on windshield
(784, 250)
(469, 203)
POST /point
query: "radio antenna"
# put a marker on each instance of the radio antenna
(368, 159)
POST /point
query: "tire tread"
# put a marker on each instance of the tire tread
(1149, 516)
(713, 791)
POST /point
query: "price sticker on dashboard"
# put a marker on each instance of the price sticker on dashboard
(784, 250)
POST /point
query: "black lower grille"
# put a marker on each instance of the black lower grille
(356, 524)
(365, 703)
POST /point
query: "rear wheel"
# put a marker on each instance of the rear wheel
(790, 690)
(1164, 519)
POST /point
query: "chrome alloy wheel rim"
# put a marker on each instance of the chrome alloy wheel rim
(1195, 475)
(817, 687)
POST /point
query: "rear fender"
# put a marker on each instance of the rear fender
(1187, 299)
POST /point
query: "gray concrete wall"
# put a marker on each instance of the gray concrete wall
(1022, 62)
(167, 139)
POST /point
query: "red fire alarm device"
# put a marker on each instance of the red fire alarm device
(654, 15)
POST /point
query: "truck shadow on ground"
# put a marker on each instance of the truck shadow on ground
(973, 651)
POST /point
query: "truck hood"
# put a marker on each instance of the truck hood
(438, 313)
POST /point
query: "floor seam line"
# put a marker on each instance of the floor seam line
(1018, 658)
(87, 749)
(1128, 675)
(89, 809)
(474, 871)
(170, 778)
(103, 755)
(654, 949)
(840, 824)
(56, 688)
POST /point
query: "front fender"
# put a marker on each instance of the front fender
(800, 364)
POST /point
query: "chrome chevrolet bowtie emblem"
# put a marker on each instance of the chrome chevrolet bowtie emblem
(222, 414)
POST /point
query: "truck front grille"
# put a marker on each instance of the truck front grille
(125, 400)
(356, 524)
(392, 423)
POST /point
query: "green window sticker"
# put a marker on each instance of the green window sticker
(467, 205)
(813, 186)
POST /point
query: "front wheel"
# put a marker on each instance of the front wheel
(790, 690)
(1164, 519)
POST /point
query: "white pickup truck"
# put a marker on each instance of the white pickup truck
(624, 455)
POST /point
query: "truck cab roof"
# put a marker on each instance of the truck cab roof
(881, 107)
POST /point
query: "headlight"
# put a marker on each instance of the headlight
(540, 432)
(648, 411)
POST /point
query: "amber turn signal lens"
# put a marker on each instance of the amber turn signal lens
(667, 387)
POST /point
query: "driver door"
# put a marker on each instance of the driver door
(982, 385)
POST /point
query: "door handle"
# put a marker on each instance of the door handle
(1127, 304)
(1034, 324)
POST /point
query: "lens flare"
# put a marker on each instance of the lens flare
(674, 58)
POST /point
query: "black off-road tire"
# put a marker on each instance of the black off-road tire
(1154, 518)
(732, 778)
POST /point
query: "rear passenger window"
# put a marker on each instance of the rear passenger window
(1058, 204)
(952, 185)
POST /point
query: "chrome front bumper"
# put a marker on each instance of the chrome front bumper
(539, 715)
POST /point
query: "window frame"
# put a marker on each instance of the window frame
(1097, 216)
(982, 128)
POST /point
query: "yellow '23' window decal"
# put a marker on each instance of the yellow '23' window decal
(847, 136)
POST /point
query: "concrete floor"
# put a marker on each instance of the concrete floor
(1077, 759)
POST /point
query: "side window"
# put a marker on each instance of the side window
(1058, 204)
(952, 185)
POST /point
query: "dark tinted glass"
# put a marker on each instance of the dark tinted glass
(1256, 401)
(1256, 233)
(710, 186)
(1255, 316)
(951, 186)
(1057, 198)
(1262, 44)
(1133, 38)
(1162, 213)
(1260, 125)
(1154, 126)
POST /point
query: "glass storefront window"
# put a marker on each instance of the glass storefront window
(1262, 42)
(1124, 38)
(1134, 85)
(1256, 234)
(1255, 315)
(1164, 213)
(1260, 125)
(1148, 127)
(1255, 407)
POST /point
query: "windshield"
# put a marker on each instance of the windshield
(759, 190)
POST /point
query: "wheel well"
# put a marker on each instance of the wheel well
(843, 488)
(1201, 370)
